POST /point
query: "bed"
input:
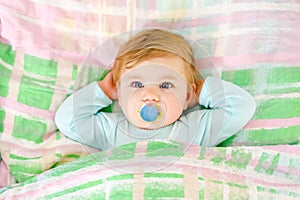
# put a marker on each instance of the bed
(43, 46)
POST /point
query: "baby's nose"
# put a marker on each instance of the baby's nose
(151, 93)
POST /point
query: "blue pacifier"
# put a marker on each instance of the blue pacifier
(149, 112)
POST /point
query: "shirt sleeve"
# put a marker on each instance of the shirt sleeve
(78, 117)
(228, 108)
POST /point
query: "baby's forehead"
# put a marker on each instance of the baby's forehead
(153, 72)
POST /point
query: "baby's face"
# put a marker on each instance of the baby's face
(154, 93)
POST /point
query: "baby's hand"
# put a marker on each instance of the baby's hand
(108, 87)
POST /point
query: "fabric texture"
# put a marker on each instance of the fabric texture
(170, 170)
(253, 44)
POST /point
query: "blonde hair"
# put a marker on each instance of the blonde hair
(152, 44)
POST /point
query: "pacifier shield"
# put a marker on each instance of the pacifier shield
(149, 113)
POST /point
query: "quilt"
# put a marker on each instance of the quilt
(170, 170)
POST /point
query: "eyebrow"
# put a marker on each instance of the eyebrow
(169, 77)
(134, 77)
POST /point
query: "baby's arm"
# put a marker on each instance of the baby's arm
(229, 108)
(78, 117)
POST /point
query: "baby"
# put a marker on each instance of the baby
(159, 92)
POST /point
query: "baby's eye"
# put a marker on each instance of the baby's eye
(137, 84)
(166, 85)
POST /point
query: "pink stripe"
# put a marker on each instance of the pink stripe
(273, 123)
(119, 4)
(4, 174)
(27, 38)
(45, 148)
(237, 17)
(247, 61)
(289, 149)
(288, 171)
(50, 14)
(8, 125)
(141, 148)
(149, 5)
(43, 114)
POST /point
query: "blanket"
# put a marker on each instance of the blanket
(171, 170)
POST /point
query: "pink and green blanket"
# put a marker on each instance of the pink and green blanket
(254, 44)
(169, 170)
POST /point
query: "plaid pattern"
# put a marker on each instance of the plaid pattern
(251, 43)
(196, 173)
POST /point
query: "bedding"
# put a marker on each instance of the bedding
(170, 170)
(43, 46)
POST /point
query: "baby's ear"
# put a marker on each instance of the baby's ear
(190, 100)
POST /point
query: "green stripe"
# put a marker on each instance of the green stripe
(278, 108)
(25, 168)
(2, 117)
(284, 75)
(4, 80)
(287, 135)
(157, 148)
(31, 130)
(76, 188)
(278, 192)
(75, 156)
(40, 66)
(163, 175)
(239, 159)
(7, 54)
(123, 152)
(121, 191)
(35, 92)
(237, 185)
(202, 153)
(103, 74)
(282, 90)
(157, 190)
(240, 77)
(120, 177)
(267, 163)
(201, 194)
(58, 155)
(74, 72)
(58, 135)
(21, 177)
(90, 160)
(17, 157)
(220, 155)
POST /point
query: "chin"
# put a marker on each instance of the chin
(151, 126)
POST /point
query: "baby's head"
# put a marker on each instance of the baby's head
(155, 77)
(155, 43)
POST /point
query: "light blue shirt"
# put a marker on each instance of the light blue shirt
(227, 110)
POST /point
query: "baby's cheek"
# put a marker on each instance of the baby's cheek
(174, 109)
